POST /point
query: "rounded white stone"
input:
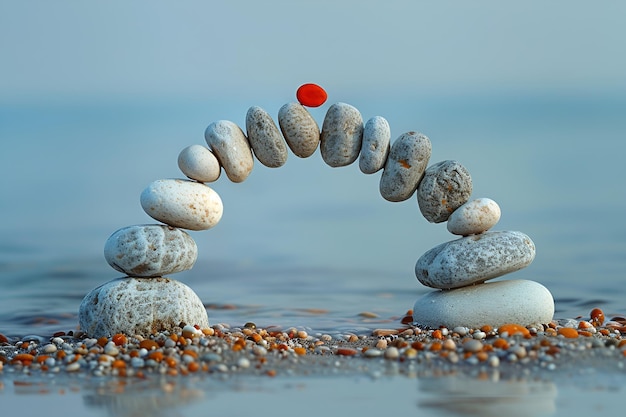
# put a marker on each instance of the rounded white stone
(375, 145)
(405, 166)
(342, 134)
(446, 186)
(473, 259)
(496, 303)
(140, 306)
(150, 250)
(231, 147)
(473, 217)
(299, 129)
(198, 163)
(265, 139)
(182, 203)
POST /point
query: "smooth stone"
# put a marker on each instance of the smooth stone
(198, 163)
(342, 134)
(150, 250)
(265, 139)
(140, 306)
(496, 303)
(231, 147)
(473, 217)
(405, 166)
(446, 186)
(299, 129)
(375, 145)
(473, 259)
(182, 203)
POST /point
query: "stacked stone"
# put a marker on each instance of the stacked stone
(459, 268)
(145, 301)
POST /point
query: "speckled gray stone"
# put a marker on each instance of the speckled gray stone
(140, 306)
(375, 145)
(182, 203)
(150, 250)
(231, 147)
(265, 139)
(473, 259)
(405, 166)
(299, 129)
(473, 217)
(198, 163)
(446, 186)
(495, 303)
(342, 134)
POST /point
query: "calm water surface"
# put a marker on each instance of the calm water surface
(307, 245)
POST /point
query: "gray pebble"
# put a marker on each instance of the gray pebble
(265, 139)
(231, 147)
(405, 166)
(375, 145)
(299, 129)
(140, 306)
(342, 134)
(446, 186)
(152, 250)
(198, 163)
(475, 258)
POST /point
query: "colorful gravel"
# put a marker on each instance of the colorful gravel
(221, 349)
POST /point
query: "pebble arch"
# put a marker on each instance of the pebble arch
(402, 171)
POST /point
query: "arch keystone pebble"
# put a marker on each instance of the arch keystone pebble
(145, 301)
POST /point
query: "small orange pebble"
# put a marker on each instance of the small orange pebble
(604, 332)
(486, 328)
(133, 353)
(103, 341)
(621, 343)
(156, 355)
(3, 339)
(193, 367)
(346, 352)
(174, 337)
(482, 356)
(61, 354)
(597, 317)
(407, 319)
(256, 337)
(299, 350)
(24, 345)
(417, 345)
(585, 333)
(436, 347)
(148, 344)
(568, 332)
(271, 372)
(119, 339)
(208, 331)
(42, 358)
(118, 363)
(513, 329)
(171, 362)
(24, 358)
(311, 95)
(437, 334)
(584, 325)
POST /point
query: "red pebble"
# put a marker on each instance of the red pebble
(311, 95)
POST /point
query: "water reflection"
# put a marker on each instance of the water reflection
(160, 397)
(487, 395)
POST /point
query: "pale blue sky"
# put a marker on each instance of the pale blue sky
(136, 48)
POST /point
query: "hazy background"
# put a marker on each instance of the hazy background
(97, 99)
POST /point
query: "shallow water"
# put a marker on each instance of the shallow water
(307, 245)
